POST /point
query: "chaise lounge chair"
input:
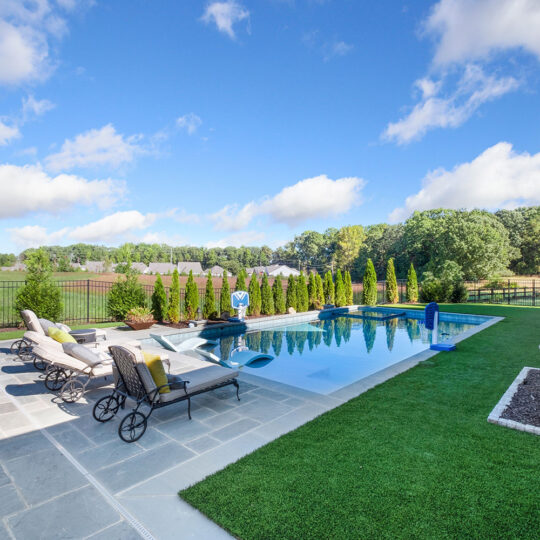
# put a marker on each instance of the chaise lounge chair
(136, 382)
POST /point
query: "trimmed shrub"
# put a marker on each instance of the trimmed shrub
(412, 285)
(292, 301)
(254, 295)
(209, 307)
(39, 292)
(340, 290)
(174, 298)
(191, 302)
(320, 289)
(124, 295)
(312, 292)
(328, 288)
(349, 297)
(392, 295)
(159, 300)
(448, 286)
(241, 281)
(267, 300)
(279, 297)
(225, 299)
(302, 296)
(369, 295)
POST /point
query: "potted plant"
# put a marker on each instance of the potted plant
(139, 318)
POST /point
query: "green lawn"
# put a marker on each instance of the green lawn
(14, 334)
(59, 276)
(412, 458)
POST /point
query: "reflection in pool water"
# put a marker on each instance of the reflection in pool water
(326, 355)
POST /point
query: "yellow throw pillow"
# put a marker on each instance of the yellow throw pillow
(155, 366)
(60, 335)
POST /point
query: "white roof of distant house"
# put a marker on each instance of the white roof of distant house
(195, 267)
(161, 268)
(274, 270)
(94, 266)
(216, 270)
(140, 267)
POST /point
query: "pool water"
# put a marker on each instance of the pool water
(324, 356)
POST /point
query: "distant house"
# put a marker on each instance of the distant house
(140, 267)
(274, 270)
(195, 267)
(161, 268)
(17, 267)
(94, 266)
(215, 271)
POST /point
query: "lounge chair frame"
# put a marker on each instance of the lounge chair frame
(130, 385)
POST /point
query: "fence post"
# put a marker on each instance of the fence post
(534, 293)
(87, 300)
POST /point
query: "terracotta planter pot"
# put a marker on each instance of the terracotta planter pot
(140, 325)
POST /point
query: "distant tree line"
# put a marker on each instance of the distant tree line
(482, 244)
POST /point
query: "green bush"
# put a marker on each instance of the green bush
(241, 281)
(328, 288)
(340, 290)
(174, 298)
(412, 285)
(320, 289)
(225, 298)
(267, 300)
(312, 292)
(392, 295)
(369, 295)
(209, 307)
(254, 295)
(159, 300)
(349, 297)
(191, 302)
(39, 292)
(124, 295)
(292, 301)
(302, 296)
(279, 297)
(448, 286)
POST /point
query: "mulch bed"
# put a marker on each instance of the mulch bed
(525, 404)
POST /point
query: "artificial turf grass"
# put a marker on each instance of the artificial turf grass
(413, 457)
(16, 334)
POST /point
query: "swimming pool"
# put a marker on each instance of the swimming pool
(326, 355)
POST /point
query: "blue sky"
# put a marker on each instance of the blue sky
(247, 122)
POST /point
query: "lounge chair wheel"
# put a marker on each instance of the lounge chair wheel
(39, 364)
(132, 427)
(72, 391)
(55, 379)
(16, 346)
(105, 409)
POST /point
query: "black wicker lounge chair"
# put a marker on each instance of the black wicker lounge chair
(135, 381)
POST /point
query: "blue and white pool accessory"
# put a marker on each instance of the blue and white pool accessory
(240, 302)
(431, 321)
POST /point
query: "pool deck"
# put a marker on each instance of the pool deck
(64, 475)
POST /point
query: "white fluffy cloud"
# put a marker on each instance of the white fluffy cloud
(247, 238)
(94, 148)
(190, 122)
(225, 15)
(35, 236)
(498, 178)
(336, 48)
(472, 29)
(30, 189)
(33, 106)
(317, 197)
(113, 226)
(435, 111)
(8, 133)
(25, 31)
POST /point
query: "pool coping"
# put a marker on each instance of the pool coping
(495, 416)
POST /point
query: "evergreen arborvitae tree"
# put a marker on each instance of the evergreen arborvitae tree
(159, 300)
(267, 300)
(412, 285)
(191, 301)
(302, 296)
(370, 285)
(279, 297)
(392, 295)
(254, 295)
(320, 289)
(40, 293)
(209, 307)
(291, 293)
(241, 281)
(349, 298)
(312, 292)
(328, 288)
(340, 290)
(173, 311)
(225, 298)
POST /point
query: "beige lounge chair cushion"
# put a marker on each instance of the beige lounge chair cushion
(31, 321)
(199, 379)
(42, 340)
